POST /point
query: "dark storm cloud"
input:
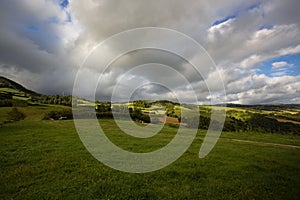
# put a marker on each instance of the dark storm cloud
(43, 43)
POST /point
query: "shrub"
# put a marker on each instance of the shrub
(173, 125)
(104, 115)
(16, 115)
(54, 114)
(137, 115)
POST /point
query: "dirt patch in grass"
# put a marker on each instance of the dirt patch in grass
(171, 120)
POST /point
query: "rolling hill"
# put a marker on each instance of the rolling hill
(12, 90)
(281, 118)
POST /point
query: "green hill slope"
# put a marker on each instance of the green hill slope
(11, 90)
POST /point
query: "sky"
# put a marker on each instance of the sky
(254, 44)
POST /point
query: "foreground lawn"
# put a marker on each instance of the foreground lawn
(46, 160)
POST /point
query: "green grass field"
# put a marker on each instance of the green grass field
(46, 160)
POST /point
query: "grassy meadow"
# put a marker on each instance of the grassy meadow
(45, 159)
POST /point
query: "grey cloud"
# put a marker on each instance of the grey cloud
(31, 44)
(282, 12)
(41, 49)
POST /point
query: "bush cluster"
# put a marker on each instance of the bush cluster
(139, 116)
(136, 115)
(257, 122)
(16, 115)
(13, 103)
(62, 114)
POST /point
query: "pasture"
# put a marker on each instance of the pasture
(45, 159)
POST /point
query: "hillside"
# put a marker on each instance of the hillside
(14, 94)
(283, 118)
(10, 89)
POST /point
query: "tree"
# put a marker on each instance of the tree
(169, 109)
(57, 114)
(16, 115)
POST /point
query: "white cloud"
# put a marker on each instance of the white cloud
(255, 59)
(281, 64)
(289, 50)
(281, 89)
(220, 30)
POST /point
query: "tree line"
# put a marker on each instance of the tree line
(256, 123)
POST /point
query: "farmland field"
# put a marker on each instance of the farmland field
(45, 159)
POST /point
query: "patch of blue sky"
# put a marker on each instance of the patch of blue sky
(223, 20)
(266, 26)
(42, 37)
(64, 3)
(292, 70)
(236, 13)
